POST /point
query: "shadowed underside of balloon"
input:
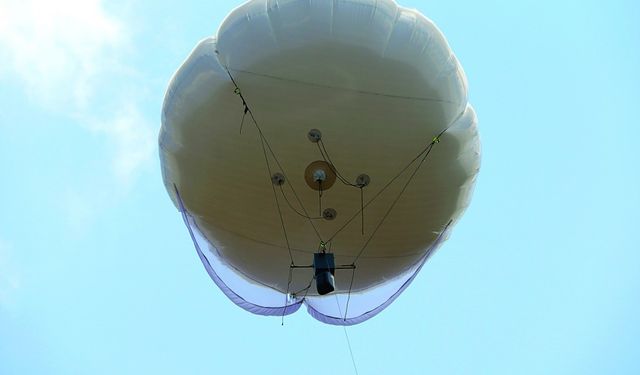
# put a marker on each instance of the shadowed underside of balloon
(319, 151)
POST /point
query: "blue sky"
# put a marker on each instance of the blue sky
(98, 274)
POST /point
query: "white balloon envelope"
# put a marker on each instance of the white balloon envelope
(314, 126)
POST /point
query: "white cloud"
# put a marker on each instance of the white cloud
(59, 48)
(69, 57)
(134, 141)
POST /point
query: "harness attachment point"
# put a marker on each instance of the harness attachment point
(278, 179)
(329, 214)
(314, 135)
(363, 180)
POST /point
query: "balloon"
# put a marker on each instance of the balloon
(319, 151)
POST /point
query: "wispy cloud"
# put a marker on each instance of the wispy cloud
(133, 140)
(70, 57)
(59, 49)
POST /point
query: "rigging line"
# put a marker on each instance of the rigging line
(372, 93)
(255, 122)
(294, 209)
(362, 208)
(275, 196)
(442, 232)
(327, 159)
(286, 296)
(435, 140)
(308, 287)
(324, 148)
(288, 182)
(305, 289)
(246, 109)
(404, 188)
(198, 230)
(320, 198)
(353, 275)
(376, 195)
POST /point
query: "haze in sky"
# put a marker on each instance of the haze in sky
(98, 274)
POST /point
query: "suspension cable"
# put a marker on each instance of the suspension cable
(294, 209)
(404, 188)
(286, 296)
(426, 150)
(305, 289)
(353, 275)
(422, 156)
(346, 335)
(327, 159)
(248, 110)
(275, 196)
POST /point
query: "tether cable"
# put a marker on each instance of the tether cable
(346, 335)
(426, 153)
